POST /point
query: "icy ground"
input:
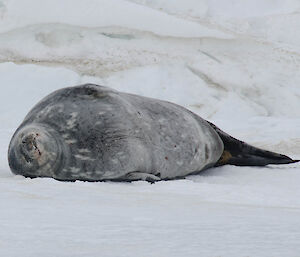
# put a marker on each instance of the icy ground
(232, 63)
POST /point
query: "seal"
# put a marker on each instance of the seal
(94, 133)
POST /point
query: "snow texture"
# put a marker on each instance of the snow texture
(234, 63)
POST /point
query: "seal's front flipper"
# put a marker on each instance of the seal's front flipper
(133, 176)
(240, 153)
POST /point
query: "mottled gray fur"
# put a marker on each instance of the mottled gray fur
(94, 133)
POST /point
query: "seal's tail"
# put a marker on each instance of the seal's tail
(240, 153)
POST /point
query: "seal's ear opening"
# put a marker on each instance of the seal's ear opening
(239, 153)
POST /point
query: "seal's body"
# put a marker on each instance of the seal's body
(94, 133)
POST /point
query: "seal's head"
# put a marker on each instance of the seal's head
(36, 151)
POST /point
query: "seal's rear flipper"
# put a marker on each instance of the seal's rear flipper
(240, 153)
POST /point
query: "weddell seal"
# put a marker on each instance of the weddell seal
(94, 133)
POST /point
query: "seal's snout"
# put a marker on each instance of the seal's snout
(34, 151)
(31, 147)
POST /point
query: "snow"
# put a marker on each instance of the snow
(99, 13)
(234, 64)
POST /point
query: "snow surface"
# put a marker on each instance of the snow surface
(234, 63)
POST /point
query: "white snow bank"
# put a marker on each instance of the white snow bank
(224, 8)
(220, 77)
(268, 20)
(99, 13)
